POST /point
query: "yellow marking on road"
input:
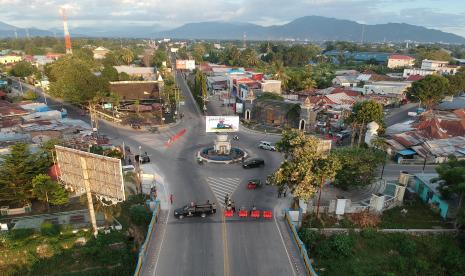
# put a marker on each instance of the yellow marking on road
(225, 249)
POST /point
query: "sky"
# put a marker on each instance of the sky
(445, 15)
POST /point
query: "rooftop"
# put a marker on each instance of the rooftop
(401, 57)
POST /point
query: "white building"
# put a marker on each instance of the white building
(415, 71)
(396, 61)
(387, 87)
(439, 66)
(100, 52)
(345, 81)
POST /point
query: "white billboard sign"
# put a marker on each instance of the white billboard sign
(222, 123)
(190, 64)
(104, 174)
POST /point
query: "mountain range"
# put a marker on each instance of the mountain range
(312, 28)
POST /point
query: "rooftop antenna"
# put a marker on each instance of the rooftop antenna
(68, 48)
(244, 40)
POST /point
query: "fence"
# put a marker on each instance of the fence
(143, 249)
(300, 244)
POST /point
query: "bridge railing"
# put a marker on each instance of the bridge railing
(143, 248)
(300, 245)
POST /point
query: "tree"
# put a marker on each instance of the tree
(323, 74)
(301, 171)
(127, 55)
(45, 189)
(73, 81)
(110, 73)
(159, 57)
(452, 181)
(280, 73)
(290, 139)
(325, 169)
(109, 210)
(456, 83)
(433, 53)
(198, 52)
(16, 172)
(249, 58)
(429, 90)
(22, 69)
(308, 82)
(358, 166)
(364, 113)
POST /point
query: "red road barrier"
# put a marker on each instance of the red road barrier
(228, 213)
(255, 214)
(243, 213)
(267, 214)
(175, 137)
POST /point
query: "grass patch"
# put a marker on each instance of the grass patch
(374, 253)
(419, 216)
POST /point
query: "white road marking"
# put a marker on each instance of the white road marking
(284, 244)
(221, 186)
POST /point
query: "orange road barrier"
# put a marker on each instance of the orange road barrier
(267, 214)
(255, 213)
(175, 137)
(228, 213)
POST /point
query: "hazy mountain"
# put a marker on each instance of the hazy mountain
(313, 28)
(7, 30)
(316, 28)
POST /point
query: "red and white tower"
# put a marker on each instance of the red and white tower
(69, 50)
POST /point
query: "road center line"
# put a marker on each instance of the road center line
(225, 249)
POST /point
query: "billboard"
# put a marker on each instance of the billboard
(222, 123)
(104, 173)
(185, 64)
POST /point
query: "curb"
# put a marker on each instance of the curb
(259, 132)
(199, 157)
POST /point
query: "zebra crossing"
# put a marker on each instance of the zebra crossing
(222, 186)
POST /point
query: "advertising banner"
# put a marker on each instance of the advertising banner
(239, 108)
(183, 64)
(222, 123)
(190, 64)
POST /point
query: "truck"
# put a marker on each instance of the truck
(195, 210)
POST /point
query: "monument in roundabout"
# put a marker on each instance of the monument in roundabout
(222, 151)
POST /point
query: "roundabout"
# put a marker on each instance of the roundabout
(221, 152)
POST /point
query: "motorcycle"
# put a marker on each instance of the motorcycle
(236, 137)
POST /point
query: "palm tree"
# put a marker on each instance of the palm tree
(280, 73)
(251, 57)
(326, 169)
(127, 56)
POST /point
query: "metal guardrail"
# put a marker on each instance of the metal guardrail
(143, 248)
(302, 250)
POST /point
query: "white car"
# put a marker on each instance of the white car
(266, 145)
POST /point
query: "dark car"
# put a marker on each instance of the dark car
(253, 163)
(144, 158)
(195, 210)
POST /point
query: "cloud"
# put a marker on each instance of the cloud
(172, 13)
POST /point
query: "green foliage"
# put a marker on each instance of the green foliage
(306, 167)
(429, 90)
(22, 69)
(72, 80)
(110, 73)
(433, 53)
(49, 229)
(140, 215)
(30, 95)
(366, 112)
(17, 171)
(270, 96)
(309, 237)
(337, 246)
(21, 234)
(199, 89)
(45, 189)
(159, 57)
(358, 166)
(456, 83)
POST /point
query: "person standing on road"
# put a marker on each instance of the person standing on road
(171, 199)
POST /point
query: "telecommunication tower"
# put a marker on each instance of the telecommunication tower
(69, 50)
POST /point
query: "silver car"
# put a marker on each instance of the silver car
(266, 145)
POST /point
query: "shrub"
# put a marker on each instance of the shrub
(49, 229)
(342, 244)
(453, 260)
(20, 234)
(365, 219)
(407, 247)
(309, 237)
(139, 215)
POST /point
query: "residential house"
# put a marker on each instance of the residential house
(428, 190)
(136, 90)
(345, 81)
(419, 72)
(146, 73)
(387, 87)
(439, 66)
(100, 52)
(9, 59)
(396, 61)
